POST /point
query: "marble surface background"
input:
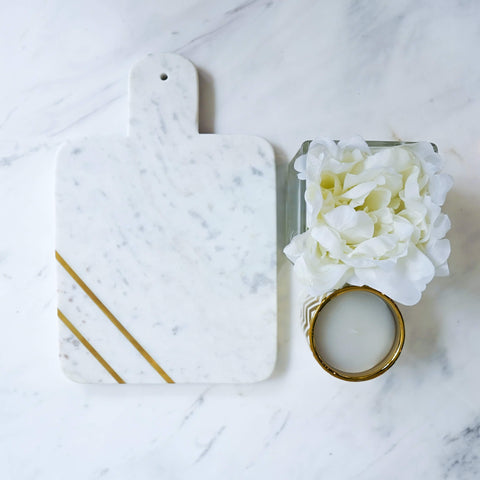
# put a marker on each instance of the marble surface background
(287, 71)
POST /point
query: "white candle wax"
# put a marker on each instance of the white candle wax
(354, 331)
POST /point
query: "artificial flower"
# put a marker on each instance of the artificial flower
(373, 218)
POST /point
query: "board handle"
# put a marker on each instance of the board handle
(163, 99)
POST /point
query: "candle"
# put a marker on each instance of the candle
(355, 331)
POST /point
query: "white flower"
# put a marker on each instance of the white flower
(372, 218)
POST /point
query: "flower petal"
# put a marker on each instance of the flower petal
(354, 227)
(411, 190)
(377, 199)
(296, 247)
(439, 186)
(438, 251)
(402, 228)
(442, 270)
(418, 267)
(329, 240)
(441, 226)
(314, 197)
(398, 159)
(353, 143)
(404, 283)
(324, 144)
(390, 282)
(376, 247)
(300, 166)
(352, 179)
(329, 277)
(360, 191)
(420, 149)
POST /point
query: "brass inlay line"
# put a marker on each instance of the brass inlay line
(112, 318)
(89, 347)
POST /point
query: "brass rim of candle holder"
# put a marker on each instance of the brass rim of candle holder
(380, 367)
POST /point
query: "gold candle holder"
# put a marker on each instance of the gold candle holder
(312, 311)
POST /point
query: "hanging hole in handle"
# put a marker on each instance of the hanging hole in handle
(163, 76)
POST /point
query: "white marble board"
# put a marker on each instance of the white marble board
(166, 254)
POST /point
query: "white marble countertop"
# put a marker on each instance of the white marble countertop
(287, 71)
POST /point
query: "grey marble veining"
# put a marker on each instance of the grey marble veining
(286, 71)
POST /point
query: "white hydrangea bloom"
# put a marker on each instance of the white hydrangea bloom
(372, 218)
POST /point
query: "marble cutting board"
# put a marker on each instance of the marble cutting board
(166, 244)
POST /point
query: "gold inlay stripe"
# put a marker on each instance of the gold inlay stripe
(112, 318)
(89, 347)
